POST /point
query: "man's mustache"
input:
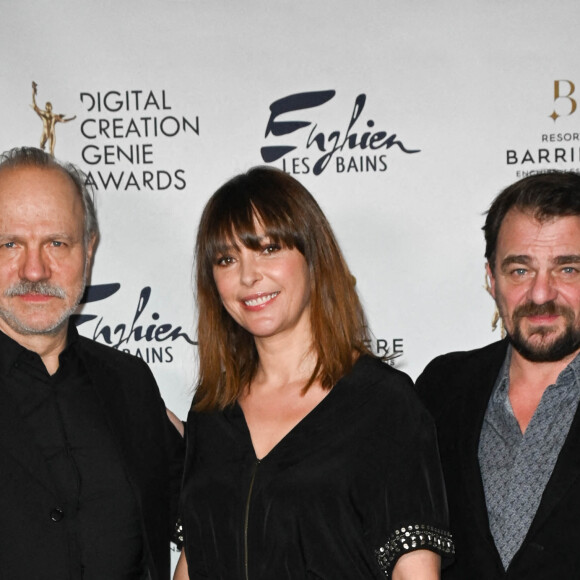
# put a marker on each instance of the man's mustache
(548, 308)
(28, 287)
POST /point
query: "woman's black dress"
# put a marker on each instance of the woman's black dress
(353, 486)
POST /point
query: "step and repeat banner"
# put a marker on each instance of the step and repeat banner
(403, 119)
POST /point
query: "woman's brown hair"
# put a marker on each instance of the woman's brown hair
(288, 215)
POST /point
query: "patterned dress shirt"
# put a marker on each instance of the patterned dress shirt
(516, 467)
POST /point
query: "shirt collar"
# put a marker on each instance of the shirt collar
(568, 376)
(11, 349)
(502, 382)
(571, 374)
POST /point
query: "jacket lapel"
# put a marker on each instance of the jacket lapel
(117, 408)
(479, 376)
(566, 473)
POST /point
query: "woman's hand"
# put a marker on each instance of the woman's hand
(417, 565)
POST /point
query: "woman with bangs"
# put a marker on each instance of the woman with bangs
(308, 457)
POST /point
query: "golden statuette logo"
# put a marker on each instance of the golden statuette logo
(49, 121)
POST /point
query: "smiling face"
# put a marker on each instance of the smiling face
(536, 284)
(265, 290)
(43, 260)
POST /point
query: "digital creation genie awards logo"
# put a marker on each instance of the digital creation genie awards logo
(301, 146)
(144, 333)
(558, 148)
(122, 131)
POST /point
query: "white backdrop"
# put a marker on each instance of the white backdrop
(186, 86)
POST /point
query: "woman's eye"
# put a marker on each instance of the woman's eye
(224, 260)
(271, 248)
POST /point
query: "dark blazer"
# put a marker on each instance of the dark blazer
(33, 543)
(456, 388)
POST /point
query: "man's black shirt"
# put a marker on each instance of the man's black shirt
(65, 417)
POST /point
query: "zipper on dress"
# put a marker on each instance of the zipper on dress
(247, 517)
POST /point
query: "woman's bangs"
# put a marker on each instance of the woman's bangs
(277, 226)
(235, 229)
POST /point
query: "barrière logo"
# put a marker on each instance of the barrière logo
(564, 104)
(388, 350)
(356, 146)
(558, 150)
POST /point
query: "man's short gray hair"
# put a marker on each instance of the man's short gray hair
(33, 157)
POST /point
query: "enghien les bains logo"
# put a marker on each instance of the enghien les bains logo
(144, 334)
(559, 149)
(357, 146)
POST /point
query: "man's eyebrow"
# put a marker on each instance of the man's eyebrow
(567, 259)
(526, 260)
(519, 259)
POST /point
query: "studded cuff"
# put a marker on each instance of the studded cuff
(410, 538)
(177, 537)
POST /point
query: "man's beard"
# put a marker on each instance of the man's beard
(556, 349)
